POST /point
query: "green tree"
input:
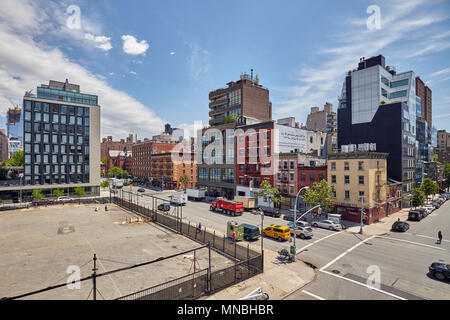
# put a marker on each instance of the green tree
(429, 187)
(104, 184)
(3, 172)
(115, 172)
(104, 160)
(269, 193)
(79, 191)
(125, 174)
(418, 197)
(447, 175)
(37, 194)
(320, 193)
(58, 193)
(16, 160)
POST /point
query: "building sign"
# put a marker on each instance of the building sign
(290, 139)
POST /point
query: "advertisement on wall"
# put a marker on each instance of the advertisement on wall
(290, 139)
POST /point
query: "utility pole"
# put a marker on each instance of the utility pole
(94, 278)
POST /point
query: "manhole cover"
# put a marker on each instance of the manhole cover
(335, 271)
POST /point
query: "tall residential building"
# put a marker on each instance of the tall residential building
(378, 105)
(424, 104)
(61, 139)
(245, 97)
(443, 146)
(325, 121)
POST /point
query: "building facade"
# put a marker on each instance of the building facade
(14, 130)
(424, 101)
(360, 180)
(4, 155)
(108, 144)
(325, 121)
(168, 171)
(61, 139)
(443, 146)
(378, 105)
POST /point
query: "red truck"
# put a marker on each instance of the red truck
(228, 207)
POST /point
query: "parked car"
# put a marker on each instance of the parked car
(415, 215)
(440, 271)
(64, 199)
(302, 232)
(429, 208)
(272, 213)
(251, 232)
(400, 226)
(141, 190)
(277, 232)
(327, 224)
(164, 207)
(436, 204)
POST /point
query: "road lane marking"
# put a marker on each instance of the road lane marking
(313, 295)
(412, 242)
(420, 235)
(362, 284)
(318, 240)
(345, 252)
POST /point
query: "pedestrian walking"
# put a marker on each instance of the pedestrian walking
(234, 236)
(199, 227)
(439, 237)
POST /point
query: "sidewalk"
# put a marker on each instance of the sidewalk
(278, 280)
(384, 225)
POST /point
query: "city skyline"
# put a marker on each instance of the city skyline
(148, 62)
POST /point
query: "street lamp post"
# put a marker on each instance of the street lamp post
(295, 219)
(362, 213)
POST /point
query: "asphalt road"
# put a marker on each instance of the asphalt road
(346, 263)
(198, 212)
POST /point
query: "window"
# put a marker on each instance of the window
(303, 176)
(333, 166)
(398, 94)
(347, 194)
(346, 179)
(361, 179)
(321, 176)
(291, 176)
(399, 83)
(346, 166)
(311, 139)
(312, 176)
(361, 165)
(291, 165)
(361, 195)
(333, 179)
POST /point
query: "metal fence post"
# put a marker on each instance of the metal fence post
(94, 278)
(223, 246)
(204, 235)
(189, 228)
(209, 267)
(214, 239)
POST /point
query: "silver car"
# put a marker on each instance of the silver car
(303, 232)
(327, 224)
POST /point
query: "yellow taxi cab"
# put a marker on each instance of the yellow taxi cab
(277, 232)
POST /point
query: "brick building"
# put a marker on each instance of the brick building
(325, 121)
(122, 145)
(121, 159)
(425, 101)
(443, 146)
(141, 164)
(167, 171)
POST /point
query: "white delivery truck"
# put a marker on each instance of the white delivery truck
(179, 199)
(195, 194)
(117, 183)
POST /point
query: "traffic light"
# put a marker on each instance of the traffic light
(319, 211)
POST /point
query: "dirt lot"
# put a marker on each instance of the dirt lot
(38, 245)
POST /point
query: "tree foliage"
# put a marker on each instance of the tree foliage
(269, 193)
(37, 194)
(320, 193)
(104, 184)
(103, 160)
(116, 172)
(183, 180)
(429, 187)
(79, 191)
(58, 193)
(418, 197)
(447, 175)
(15, 161)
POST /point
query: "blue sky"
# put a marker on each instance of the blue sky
(178, 51)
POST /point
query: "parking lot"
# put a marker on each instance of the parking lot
(37, 246)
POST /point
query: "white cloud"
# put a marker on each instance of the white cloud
(316, 84)
(101, 42)
(172, 53)
(131, 46)
(440, 72)
(25, 64)
(133, 72)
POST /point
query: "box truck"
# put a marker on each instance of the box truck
(195, 194)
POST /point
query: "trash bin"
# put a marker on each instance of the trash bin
(293, 250)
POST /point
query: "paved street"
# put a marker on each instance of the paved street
(402, 258)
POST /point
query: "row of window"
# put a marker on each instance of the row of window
(56, 169)
(216, 175)
(56, 179)
(347, 165)
(347, 179)
(56, 148)
(55, 108)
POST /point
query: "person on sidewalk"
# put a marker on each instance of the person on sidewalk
(439, 237)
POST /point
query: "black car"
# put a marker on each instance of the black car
(164, 207)
(440, 271)
(274, 214)
(141, 190)
(400, 226)
(415, 215)
(436, 204)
